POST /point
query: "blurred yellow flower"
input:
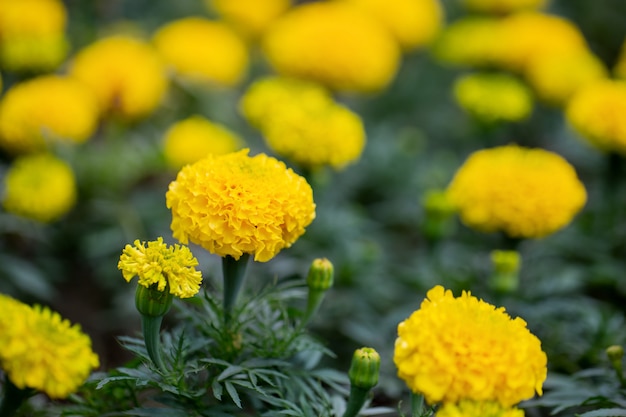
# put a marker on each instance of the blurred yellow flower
(469, 41)
(192, 139)
(44, 110)
(235, 204)
(40, 187)
(455, 349)
(597, 111)
(503, 6)
(478, 409)
(202, 50)
(251, 18)
(494, 97)
(170, 268)
(126, 74)
(526, 193)
(335, 44)
(32, 34)
(43, 351)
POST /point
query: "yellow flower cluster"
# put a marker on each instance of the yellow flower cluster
(40, 187)
(235, 204)
(456, 349)
(494, 97)
(43, 351)
(204, 51)
(300, 121)
(126, 74)
(170, 268)
(335, 44)
(478, 409)
(45, 110)
(503, 6)
(251, 18)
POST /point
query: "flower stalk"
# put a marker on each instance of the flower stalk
(13, 398)
(363, 374)
(234, 273)
(153, 304)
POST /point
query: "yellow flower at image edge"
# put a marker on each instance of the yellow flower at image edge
(478, 409)
(168, 267)
(454, 349)
(235, 204)
(43, 351)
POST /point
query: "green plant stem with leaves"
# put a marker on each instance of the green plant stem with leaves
(234, 273)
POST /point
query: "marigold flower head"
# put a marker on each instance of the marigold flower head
(249, 17)
(503, 6)
(469, 41)
(126, 74)
(494, 97)
(235, 204)
(193, 138)
(455, 349)
(45, 110)
(202, 50)
(478, 409)
(335, 44)
(40, 187)
(43, 351)
(526, 193)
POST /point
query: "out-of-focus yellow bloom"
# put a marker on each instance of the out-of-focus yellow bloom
(526, 193)
(249, 17)
(126, 74)
(45, 110)
(469, 41)
(32, 34)
(455, 349)
(494, 97)
(597, 111)
(202, 50)
(413, 23)
(335, 44)
(235, 204)
(193, 138)
(40, 187)
(43, 351)
(503, 6)
(478, 409)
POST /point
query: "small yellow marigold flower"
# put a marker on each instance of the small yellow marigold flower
(469, 41)
(503, 6)
(43, 351)
(596, 111)
(526, 193)
(126, 74)
(478, 409)
(170, 268)
(494, 97)
(335, 44)
(202, 50)
(454, 349)
(41, 111)
(40, 187)
(235, 204)
(193, 138)
(249, 17)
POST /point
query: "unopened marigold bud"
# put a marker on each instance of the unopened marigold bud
(506, 266)
(365, 368)
(321, 275)
(152, 302)
(615, 353)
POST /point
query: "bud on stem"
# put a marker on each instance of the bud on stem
(153, 304)
(363, 374)
(319, 279)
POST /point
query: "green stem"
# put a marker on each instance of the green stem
(13, 398)
(356, 401)
(151, 326)
(234, 272)
(417, 405)
(313, 304)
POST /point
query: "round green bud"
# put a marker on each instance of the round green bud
(152, 302)
(615, 353)
(365, 368)
(321, 275)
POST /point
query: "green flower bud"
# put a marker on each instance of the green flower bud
(152, 302)
(615, 353)
(439, 218)
(365, 368)
(506, 266)
(321, 275)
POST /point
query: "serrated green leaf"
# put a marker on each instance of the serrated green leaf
(217, 389)
(605, 412)
(230, 371)
(233, 393)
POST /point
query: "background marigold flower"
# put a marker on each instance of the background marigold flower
(43, 351)
(503, 6)
(41, 111)
(40, 187)
(249, 17)
(202, 50)
(126, 74)
(478, 409)
(469, 41)
(455, 349)
(235, 204)
(168, 267)
(526, 193)
(335, 44)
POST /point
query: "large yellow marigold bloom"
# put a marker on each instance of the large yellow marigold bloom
(43, 351)
(202, 50)
(40, 187)
(126, 74)
(503, 6)
(478, 409)
(455, 349)
(469, 41)
(526, 193)
(335, 44)
(235, 204)
(39, 112)
(249, 17)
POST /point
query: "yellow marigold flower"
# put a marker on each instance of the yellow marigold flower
(478, 409)
(43, 351)
(249, 17)
(526, 193)
(503, 6)
(494, 97)
(335, 44)
(455, 349)
(235, 204)
(41, 187)
(193, 138)
(469, 41)
(202, 50)
(126, 74)
(596, 111)
(168, 267)
(45, 110)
